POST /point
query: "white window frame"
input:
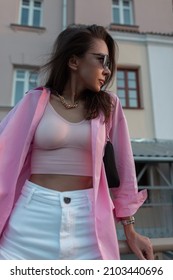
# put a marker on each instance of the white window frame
(25, 80)
(31, 9)
(121, 9)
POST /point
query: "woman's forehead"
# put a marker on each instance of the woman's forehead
(99, 46)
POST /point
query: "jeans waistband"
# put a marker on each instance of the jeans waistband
(37, 192)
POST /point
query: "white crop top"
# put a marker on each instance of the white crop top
(61, 147)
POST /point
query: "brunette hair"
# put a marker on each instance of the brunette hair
(76, 40)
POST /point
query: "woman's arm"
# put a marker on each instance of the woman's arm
(126, 198)
(139, 244)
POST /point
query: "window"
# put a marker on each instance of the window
(31, 12)
(23, 81)
(122, 12)
(128, 88)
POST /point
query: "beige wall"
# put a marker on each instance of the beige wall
(93, 11)
(154, 15)
(149, 15)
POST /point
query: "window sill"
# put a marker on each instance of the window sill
(124, 27)
(133, 108)
(19, 27)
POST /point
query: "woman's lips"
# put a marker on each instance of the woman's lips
(101, 82)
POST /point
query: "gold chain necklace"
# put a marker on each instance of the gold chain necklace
(65, 104)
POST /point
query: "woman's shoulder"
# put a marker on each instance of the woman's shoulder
(114, 97)
(26, 106)
(117, 109)
(34, 91)
(34, 94)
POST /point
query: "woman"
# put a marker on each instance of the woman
(54, 197)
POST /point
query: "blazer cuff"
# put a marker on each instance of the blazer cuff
(128, 206)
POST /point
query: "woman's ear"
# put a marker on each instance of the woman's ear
(73, 62)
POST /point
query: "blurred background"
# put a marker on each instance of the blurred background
(143, 30)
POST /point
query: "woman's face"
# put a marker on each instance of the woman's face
(93, 68)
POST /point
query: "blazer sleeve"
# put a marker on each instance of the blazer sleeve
(126, 197)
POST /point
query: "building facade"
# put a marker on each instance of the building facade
(28, 29)
(143, 30)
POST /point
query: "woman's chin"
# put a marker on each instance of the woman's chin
(96, 89)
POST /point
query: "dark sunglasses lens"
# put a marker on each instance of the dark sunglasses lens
(106, 62)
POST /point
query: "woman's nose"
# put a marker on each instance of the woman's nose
(107, 71)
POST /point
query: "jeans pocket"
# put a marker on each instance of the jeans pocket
(24, 199)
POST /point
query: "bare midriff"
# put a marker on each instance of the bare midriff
(62, 182)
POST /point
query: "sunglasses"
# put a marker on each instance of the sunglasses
(104, 59)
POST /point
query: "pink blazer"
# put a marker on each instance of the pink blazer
(16, 133)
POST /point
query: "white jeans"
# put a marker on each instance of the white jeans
(47, 224)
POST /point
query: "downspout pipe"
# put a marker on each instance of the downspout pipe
(64, 14)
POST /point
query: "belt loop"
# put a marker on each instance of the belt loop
(29, 197)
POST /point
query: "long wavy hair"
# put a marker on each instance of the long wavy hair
(77, 40)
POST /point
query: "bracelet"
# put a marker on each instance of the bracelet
(130, 221)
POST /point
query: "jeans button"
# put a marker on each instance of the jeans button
(67, 200)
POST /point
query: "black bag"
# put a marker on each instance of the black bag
(110, 165)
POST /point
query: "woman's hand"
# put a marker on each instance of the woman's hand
(139, 244)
